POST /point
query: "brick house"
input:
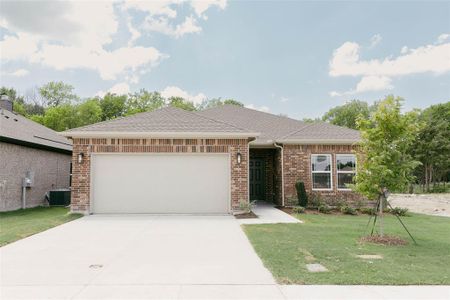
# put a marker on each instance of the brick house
(175, 161)
(29, 149)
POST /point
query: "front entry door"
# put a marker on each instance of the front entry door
(257, 187)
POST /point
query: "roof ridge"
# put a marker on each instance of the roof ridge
(255, 110)
(219, 121)
(297, 131)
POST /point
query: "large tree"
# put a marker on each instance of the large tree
(432, 147)
(182, 103)
(347, 114)
(112, 106)
(143, 101)
(57, 92)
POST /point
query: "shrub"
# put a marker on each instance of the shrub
(301, 193)
(399, 211)
(246, 206)
(368, 211)
(348, 210)
(316, 200)
(298, 209)
(323, 208)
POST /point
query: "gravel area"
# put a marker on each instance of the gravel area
(430, 204)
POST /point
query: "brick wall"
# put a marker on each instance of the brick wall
(51, 171)
(81, 172)
(297, 166)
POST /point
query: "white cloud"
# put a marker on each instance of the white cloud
(174, 91)
(377, 74)
(200, 6)
(153, 8)
(260, 108)
(17, 73)
(119, 89)
(20, 73)
(443, 38)
(429, 58)
(284, 99)
(163, 26)
(367, 84)
(77, 40)
(375, 40)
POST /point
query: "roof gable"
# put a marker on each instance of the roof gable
(167, 121)
(281, 129)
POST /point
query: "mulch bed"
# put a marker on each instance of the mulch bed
(308, 211)
(388, 240)
(250, 215)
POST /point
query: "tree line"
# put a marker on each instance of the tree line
(56, 106)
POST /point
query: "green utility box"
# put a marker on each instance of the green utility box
(59, 197)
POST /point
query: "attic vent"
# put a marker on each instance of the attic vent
(16, 120)
(7, 117)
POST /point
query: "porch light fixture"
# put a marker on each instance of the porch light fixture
(239, 158)
(80, 157)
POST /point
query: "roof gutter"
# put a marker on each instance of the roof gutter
(146, 134)
(318, 142)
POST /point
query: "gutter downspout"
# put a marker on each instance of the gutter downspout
(282, 171)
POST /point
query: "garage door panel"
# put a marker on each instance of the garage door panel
(178, 183)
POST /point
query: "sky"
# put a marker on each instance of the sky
(296, 58)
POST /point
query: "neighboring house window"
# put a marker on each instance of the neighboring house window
(346, 170)
(321, 171)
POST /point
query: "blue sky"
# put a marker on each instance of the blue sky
(296, 58)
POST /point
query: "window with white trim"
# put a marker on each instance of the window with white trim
(346, 170)
(321, 172)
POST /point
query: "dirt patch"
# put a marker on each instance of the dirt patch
(370, 256)
(388, 240)
(249, 215)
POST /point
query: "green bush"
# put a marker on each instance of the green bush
(323, 208)
(399, 211)
(298, 209)
(315, 201)
(301, 193)
(348, 210)
(368, 211)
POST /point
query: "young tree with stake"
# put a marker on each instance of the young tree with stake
(384, 162)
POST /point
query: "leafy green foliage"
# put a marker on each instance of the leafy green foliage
(57, 93)
(112, 106)
(181, 103)
(347, 114)
(324, 208)
(301, 193)
(298, 209)
(368, 211)
(384, 159)
(348, 210)
(143, 101)
(399, 211)
(432, 146)
(218, 102)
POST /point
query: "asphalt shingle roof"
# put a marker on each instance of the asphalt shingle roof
(167, 119)
(279, 128)
(19, 128)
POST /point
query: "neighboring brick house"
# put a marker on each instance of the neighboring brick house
(213, 161)
(28, 149)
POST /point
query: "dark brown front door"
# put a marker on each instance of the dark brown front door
(257, 187)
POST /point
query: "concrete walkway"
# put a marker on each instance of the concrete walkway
(268, 214)
(159, 257)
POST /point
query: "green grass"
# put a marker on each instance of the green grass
(18, 224)
(332, 240)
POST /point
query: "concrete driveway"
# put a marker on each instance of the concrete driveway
(136, 257)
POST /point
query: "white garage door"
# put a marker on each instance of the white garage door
(160, 183)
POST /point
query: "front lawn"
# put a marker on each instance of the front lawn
(18, 224)
(332, 240)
